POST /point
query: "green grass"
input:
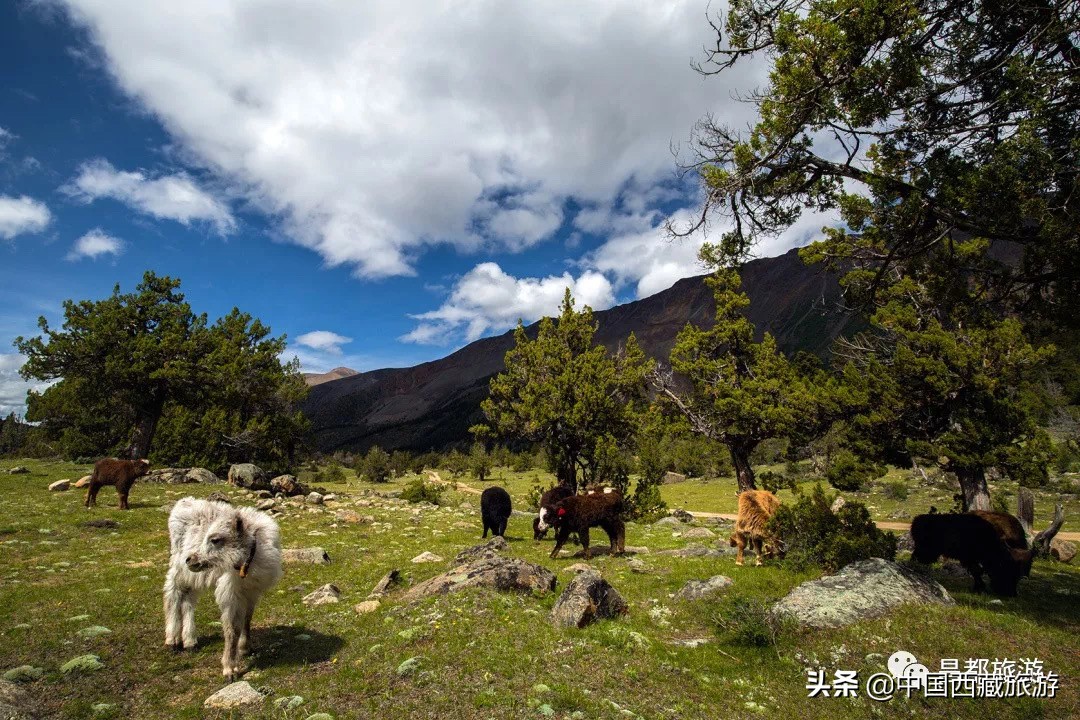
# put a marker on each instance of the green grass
(481, 654)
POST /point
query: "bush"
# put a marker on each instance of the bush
(334, 474)
(523, 461)
(399, 463)
(532, 499)
(480, 462)
(420, 490)
(775, 481)
(375, 466)
(814, 535)
(746, 621)
(895, 490)
(456, 462)
(849, 473)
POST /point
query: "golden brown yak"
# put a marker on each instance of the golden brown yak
(755, 509)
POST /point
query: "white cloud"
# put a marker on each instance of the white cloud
(376, 129)
(488, 299)
(173, 197)
(323, 340)
(94, 244)
(13, 388)
(19, 215)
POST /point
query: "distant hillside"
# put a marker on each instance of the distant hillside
(337, 373)
(433, 404)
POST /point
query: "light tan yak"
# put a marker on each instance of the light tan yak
(755, 509)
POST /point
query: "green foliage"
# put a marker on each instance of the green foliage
(814, 535)
(419, 490)
(334, 474)
(140, 370)
(568, 395)
(743, 392)
(400, 463)
(480, 462)
(895, 490)
(775, 481)
(523, 461)
(747, 621)
(532, 498)
(375, 465)
(456, 462)
(851, 473)
(13, 434)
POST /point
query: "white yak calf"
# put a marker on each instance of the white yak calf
(236, 551)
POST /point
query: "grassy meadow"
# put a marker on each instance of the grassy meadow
(477, 654)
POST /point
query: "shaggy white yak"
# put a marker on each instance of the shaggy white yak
(237, 551)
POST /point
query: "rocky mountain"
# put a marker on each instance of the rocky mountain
(433, 404)
(337, 373)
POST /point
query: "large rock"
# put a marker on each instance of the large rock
(426, 557)
(249, 477)
(861, 590)
(305, 556)
(698, 533)
(82, 482)
(670, 478)
(60, 486)
(701, 589)
(287, 485)
(488, 549)
(326, 595)
(588, 597)
(496, 572)
(203, 476)
(15, 702)
(238, 694)
(1062, 550)
(18, 470)
(383, 586)
(695, 551)
(171, 476)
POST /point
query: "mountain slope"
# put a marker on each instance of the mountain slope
(434, 403)
(337, 373)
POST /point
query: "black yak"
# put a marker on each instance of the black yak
(495, 510)
(548, 501)
(977, 543)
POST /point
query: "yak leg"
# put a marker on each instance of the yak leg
(234, 609)
(740, 543)
(91, 494)
(244, 645)
(976, 573)
(560, 540)
(756, 541)
(583, 535)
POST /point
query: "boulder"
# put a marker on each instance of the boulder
(426, 557)
(249, 477)
(698, 533)
(305, 556)
(171, 476)
(325, 595)
(286, 485)
(238, 694)
(383, 586)
(838, 503)
(19, 470)
(670, 478)
(368, 606)
(15, 702)
(1062, 550)
(202, 475)
(861, 590)
(904, 543)
(82, 482)
(497, 572)
(314, 498)
(588, 597)
(682, 515)
(264, 505)
(694, 551)
(491, 548)
(219, 497)
(700, 589)
(60, 486)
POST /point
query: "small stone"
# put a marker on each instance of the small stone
(325, 595)
(408, 667)
(637, 566)
(314, 498)
(24, 673)
(101, 708)
(60, 486)
(838, 503)
(94, 631)
(427, 557)
(580, 568)
(265, 504)
(700, 589)
(81, 664)
(82, 482)
(368, 606)
(237, 694)
(698, 533)
(309, 556)
(546, 710)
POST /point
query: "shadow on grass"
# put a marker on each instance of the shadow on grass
(286, 645)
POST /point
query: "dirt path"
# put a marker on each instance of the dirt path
(883, 524)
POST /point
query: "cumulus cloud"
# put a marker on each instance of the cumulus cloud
(20, 215)
(173, 197)
(13, 388)
(94, 244)
(323, 340)
(374, 130)
(488, 299)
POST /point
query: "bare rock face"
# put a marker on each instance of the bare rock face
(1062, 550)
(496, 572)
(237, 695)
(305, 556)
(484, 550)
(863, 589)
(249, 477)
(701, 589)
(588, 598)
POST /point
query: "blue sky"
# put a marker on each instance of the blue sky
(381, 184)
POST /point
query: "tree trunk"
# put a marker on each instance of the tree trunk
(975, 494)
(740, 458)
(142, 436)
(566, 473)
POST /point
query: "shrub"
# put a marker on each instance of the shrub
(849, 473)
(399, 462)
(895, 490)
(746, 621)
(480, 462)
(532, 499)
(334, 474)
(814, 535)
(523, 461)
(775, 481)
(375, 466)
(456, 462)
(420, 490)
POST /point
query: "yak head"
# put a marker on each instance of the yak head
(217, 540)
